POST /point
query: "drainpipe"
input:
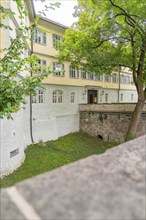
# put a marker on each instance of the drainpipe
(31, 132)
(119, 87)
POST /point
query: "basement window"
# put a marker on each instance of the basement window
(14, 153)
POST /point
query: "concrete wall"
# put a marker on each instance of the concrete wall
(109, 121)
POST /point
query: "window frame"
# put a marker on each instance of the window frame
(132, 97)
(57, 97)
(56, 38)
(106, 97)
(107, 78)
(60, 72)
(42, 63)
(114, 78)
(39, 98)
(121, 97)
(72, 97)
(73, 72)
(39, 36)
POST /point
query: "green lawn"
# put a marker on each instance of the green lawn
(47, 156)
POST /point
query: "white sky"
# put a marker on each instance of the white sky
(63, 14)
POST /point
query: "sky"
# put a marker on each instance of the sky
(63, 14)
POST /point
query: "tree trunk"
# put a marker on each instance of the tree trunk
(131, 133)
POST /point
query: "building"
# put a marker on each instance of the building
(54, 111)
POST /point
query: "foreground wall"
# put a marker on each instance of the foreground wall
(109, 122)
(109, 186)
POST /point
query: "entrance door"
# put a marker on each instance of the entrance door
(92, 96)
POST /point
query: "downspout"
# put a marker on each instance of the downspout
(31, 132)
(119, 87)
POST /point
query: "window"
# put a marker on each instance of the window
(72, 97)
(42, 65)
(34, 99)
(56, 38)
(57, 96)
(107, 78)
(39, 36)
(106, 97)
(121, 97)
(14, 152)
(73, 73)
(98, 77)
(84, 74)
(39, 97)
(127, 79)
(90, 75)
(100, 97)
(122, 79)
(131, 79)
(132, 97)
(58, 69)
(114, 78)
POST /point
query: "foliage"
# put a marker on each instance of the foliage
(110, 35)
(13, 86)
(44, 157)
(101, 40)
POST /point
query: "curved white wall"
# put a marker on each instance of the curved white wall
(12, 143)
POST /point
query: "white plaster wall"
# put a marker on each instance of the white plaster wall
(113, 96)
(127, 96)
(12, 137)
(52, 120)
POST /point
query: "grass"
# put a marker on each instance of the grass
(47, 156)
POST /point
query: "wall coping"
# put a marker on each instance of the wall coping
(117, 107)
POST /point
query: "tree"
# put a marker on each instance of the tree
(13, 92)
(110, 35)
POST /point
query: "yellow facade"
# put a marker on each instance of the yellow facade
(47, 52)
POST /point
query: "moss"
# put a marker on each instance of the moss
(130, 137)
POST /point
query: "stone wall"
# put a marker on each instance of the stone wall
(108, 122)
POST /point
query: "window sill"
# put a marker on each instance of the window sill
(40, 44)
